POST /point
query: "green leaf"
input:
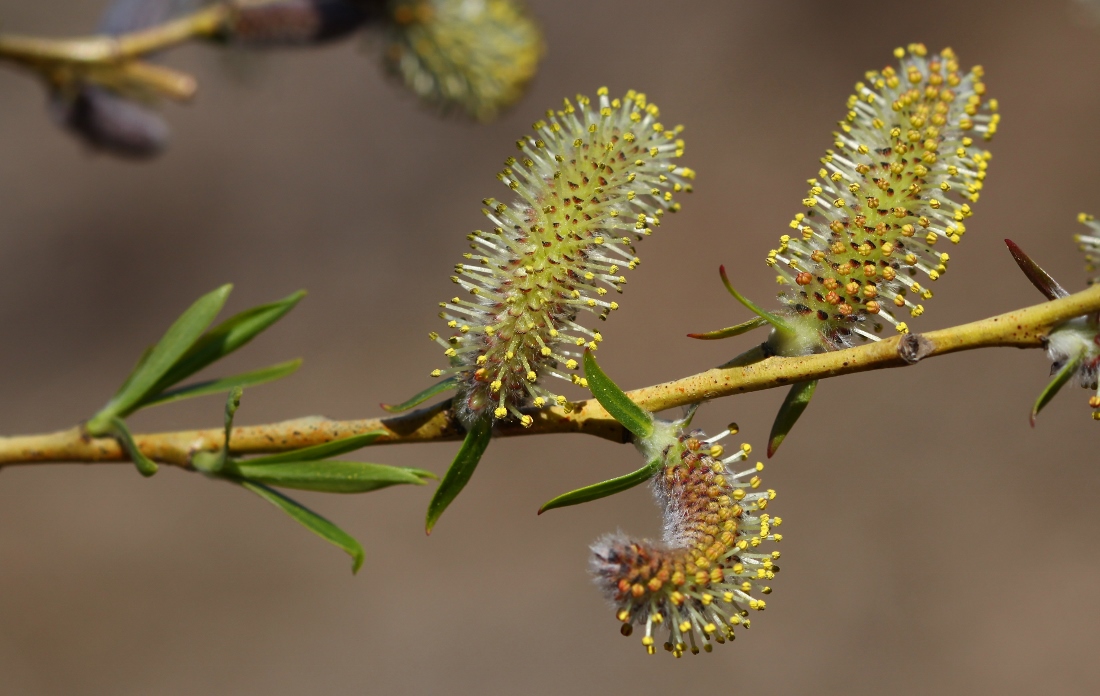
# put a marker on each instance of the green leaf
(604, 488)
(214, 386)
(732, 331)
(311, 521)
(118, 430)
(328, 449)
(149, 371)
(1055, 386)
(225, 338)
(331, 476)
(632, 416)
(1038, 277)
(437, 388)
(766, 316)
(798, 398)
(137, 369)
(462, 468)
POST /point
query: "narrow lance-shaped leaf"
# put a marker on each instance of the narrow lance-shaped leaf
(323, 451)
(1038, 277)
(137, 369)
(632, 416)
(225, 338)
(798, 398)
(1056, 384)
(752, 307)
(215, 386)
(437, 388)
(118, 430)
(462, 468)
(175, 343)
(330, 476)
(604, 488)
(311, 521)
(743, 327)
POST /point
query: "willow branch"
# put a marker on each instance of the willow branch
(1022, 328)
(58, 60)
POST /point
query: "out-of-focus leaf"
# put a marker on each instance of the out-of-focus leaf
(632, 416)
(118, 430)
(225, 338)
(462, 468)
(1038, 277)
(437, 388)
(328, 449)
(604, 488)
(731, 331)
(798, 398)
(311, 521)
(175, 343)
(1055, 386)
(751, 306)
(215, 386)
(331, 476)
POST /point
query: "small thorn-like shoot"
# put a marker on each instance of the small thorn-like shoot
(1042, 280)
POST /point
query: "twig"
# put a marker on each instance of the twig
(58, 60)
(1022, 328)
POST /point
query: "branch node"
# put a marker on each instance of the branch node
(913, 347)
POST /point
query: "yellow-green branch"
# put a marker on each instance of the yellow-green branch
(1023, 328)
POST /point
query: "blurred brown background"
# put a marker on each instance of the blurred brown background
(934, 542)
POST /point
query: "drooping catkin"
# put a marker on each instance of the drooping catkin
(712, 565)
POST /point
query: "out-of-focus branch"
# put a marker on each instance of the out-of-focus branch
(60, 60)
(1022, 328)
